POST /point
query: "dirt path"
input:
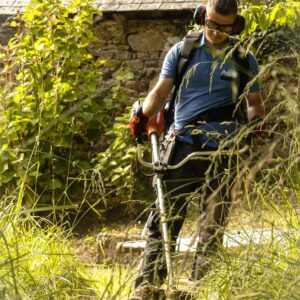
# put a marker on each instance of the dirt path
(98, 245)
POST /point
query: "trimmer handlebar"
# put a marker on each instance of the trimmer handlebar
(159, 168)
(157, 165)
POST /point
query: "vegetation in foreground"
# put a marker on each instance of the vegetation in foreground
(38, 166)
(39, 261)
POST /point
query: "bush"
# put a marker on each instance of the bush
(54, 111)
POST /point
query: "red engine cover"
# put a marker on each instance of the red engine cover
(156, 124)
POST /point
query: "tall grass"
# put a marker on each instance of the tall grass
(38, 260)
(262, 271)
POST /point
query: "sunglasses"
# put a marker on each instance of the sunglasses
(227, 29)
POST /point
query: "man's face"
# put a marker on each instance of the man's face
(214, 36)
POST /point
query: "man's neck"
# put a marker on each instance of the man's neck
(216, 48)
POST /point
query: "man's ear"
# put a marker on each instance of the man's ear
(199, 15)
(239, 25)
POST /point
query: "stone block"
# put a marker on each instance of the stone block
(142, 55)
(102, 54)
(122, 55)
(151, 63)
(150, 73)
(146, 41)
(132, 93)
(113, 64)
(99, 44)
(134, 64)
(143, 86)
(143, 95)
(108, 7)
(123, 47)
(153, 55)
(11, 10)
(173, 39)
(132, 85)
(162, 55)
(148, 55)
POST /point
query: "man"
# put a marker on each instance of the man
(208, 89)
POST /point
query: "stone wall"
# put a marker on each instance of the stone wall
(6, 32)
(138, 46)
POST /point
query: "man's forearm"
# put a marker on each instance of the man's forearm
(256, 110)
(255, 106)
(152, 104)
(157, 97)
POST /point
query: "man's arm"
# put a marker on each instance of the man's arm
(157, 97)
(255, 105)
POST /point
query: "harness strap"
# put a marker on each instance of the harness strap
(187, 52)
(186, 55)
(242, 64)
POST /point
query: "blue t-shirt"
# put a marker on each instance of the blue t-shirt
(208, 83)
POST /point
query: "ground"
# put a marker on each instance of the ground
(96, 241)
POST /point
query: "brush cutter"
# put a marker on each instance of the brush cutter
(159, 166)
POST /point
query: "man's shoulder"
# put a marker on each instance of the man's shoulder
(174, 51)
(177, 46)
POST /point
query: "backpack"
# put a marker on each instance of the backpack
(186, 55)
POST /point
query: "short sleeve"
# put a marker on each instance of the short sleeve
(169, 66)
(254, 71)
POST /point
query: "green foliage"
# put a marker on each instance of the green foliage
(53, 107)
(39, 260)
(116, 162)
(264, 17)
(55, 113)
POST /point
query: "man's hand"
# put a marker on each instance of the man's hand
(138, 122)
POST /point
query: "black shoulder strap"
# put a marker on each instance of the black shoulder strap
(186, 55)
(242, 63)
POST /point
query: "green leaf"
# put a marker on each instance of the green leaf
(13, 24)
(54, 184)
(87, 116)
(118, 170)
(3, 167)
(35, 174)
(84, 164)
(115, 177)
(7, 176)
(61, 167)
(291, 17)
(112, 163)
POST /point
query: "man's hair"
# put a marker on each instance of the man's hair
(223, 7)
